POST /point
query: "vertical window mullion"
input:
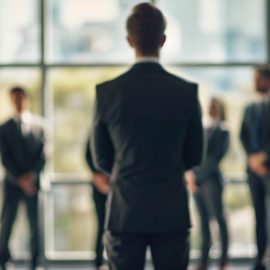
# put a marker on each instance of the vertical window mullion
(267, 9)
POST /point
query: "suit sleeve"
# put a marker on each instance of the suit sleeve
(267, 162)
(193, 145)
(213, 158)
(102, 149)
(88, 157)
(7, 162)
(244, 133)
(40, 160)
(267, 150)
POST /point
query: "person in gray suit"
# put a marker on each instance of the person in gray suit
(206, 183)
(147, 131)
(23, 158)
(255, 138)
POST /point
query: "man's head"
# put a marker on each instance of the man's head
(19, 99)
(146, 29)
(262, 79)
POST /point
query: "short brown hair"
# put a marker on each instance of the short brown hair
(18, 90)
(263, 70)
(220, 105)
(146, 25)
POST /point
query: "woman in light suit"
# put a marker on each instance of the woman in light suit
(206, 184)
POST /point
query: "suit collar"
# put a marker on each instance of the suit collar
(147, 59)
(25, 117)
(146, 66)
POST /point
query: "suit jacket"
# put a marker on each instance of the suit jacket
(22, 153)
(88, 157)
(247, 130)
(147, 131)
(217, 146)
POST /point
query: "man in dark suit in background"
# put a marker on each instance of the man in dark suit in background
(255, 137)
(147, 131)
(22, 155)
(100, 189)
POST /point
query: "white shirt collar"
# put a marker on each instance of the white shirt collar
(25, 117)
(212, 123)
(262, 98)
(147, 59)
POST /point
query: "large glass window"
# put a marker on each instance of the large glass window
(213, 42)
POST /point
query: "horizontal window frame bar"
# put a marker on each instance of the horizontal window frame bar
(83, 180)
(99, 65)
(87, 181)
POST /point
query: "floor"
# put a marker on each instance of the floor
(73, 266)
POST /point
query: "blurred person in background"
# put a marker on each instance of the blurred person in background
(255, 138)
(206, 183)
(147, 131)
(100, 189)
(23, 158)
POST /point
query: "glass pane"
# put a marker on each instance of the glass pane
(19, 31)
(30, 79)
(235, 87)
(73, 92)
(88, 31)
(240, 217)
(215, 30)
(70, 221)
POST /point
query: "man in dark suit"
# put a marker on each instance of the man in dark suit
(100, 189)
(255, 137)
(22, 155)
(147, 131)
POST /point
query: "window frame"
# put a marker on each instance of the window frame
(44, 69)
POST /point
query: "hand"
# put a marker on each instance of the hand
(190, 179)
(102, 183)
(256, 163)
(27, 183)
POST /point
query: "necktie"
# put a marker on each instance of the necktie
(19, 124)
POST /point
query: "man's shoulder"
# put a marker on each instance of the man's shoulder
(181, 80)
(7, 124)
(249, 107)
(6, 128)
(127, 76)
(111, 83)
